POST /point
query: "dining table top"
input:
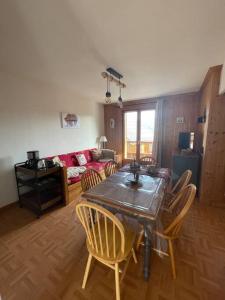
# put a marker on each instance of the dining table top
(117, 191)
(158, 172)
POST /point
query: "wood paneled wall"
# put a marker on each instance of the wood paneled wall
(209, 135)
(212, 189)
(114, 135)
(183, 105)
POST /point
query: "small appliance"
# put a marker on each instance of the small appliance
(32, 159)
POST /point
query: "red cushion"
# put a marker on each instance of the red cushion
(68, 159)
(98, 166)
(74, 179)
(72, 159)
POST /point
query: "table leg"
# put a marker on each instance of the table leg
(147, 252)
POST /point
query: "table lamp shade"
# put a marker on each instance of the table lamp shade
(103, 139)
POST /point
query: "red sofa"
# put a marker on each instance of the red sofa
(71, 161)
(72, 186)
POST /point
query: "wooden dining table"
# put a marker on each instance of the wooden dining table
(141, 201)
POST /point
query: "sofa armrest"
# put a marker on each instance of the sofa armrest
(108, 154)
(65, 185)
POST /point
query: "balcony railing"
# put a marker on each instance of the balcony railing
(131, 146)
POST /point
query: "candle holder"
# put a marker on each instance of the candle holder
(134, 169)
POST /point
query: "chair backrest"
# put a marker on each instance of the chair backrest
(89, 179)
(111, 167)
(105, 233)
(182, 182)
(148, 160)
(180, 207)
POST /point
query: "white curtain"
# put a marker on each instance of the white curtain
(158, 135)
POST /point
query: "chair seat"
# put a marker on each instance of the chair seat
(130, 236)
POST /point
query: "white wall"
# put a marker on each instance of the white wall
(30, 120)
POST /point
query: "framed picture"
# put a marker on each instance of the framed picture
(70, 120)
(112, 123)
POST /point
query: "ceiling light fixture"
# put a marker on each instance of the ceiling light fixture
(113, 76)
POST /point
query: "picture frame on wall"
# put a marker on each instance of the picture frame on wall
(70, 120)
(112, 123)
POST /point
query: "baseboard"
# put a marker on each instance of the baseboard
(8, 206)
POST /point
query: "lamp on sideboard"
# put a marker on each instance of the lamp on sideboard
(102, 141)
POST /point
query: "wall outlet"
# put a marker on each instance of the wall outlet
(180, 120)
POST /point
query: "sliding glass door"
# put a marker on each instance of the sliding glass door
(139, 126)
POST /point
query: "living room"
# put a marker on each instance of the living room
(101, 85)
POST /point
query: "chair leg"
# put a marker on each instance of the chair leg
(172, 259)
(125, 268)
(117, 281)
(140, 238)
(134, 256)
(87, 271)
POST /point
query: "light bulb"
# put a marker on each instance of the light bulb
(108, 97)
(120, 102)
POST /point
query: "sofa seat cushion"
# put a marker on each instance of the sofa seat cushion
(105, 160)
(98, 166)
(74, 179)
(75, 171)
(91, 165)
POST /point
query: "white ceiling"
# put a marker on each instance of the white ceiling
(161, 47)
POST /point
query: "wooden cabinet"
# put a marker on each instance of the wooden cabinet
(181, 163)
(39, 190)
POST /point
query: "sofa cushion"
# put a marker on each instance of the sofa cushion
(72, 172)
(81, 159)
(74, 179)
(96, 154)
(56, 160)
(98, 166)
(108, 153)
(105, 160)
(86, 153)
(68, 159)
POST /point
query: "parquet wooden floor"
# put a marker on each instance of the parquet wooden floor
(45, 259)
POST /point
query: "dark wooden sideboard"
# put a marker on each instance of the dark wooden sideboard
(181, 163)
(39, 190)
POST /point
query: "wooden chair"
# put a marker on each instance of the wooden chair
(108, 240)
(148, 160)
(111, 167)
(171, 194)
(89, 179)
(181, 206)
